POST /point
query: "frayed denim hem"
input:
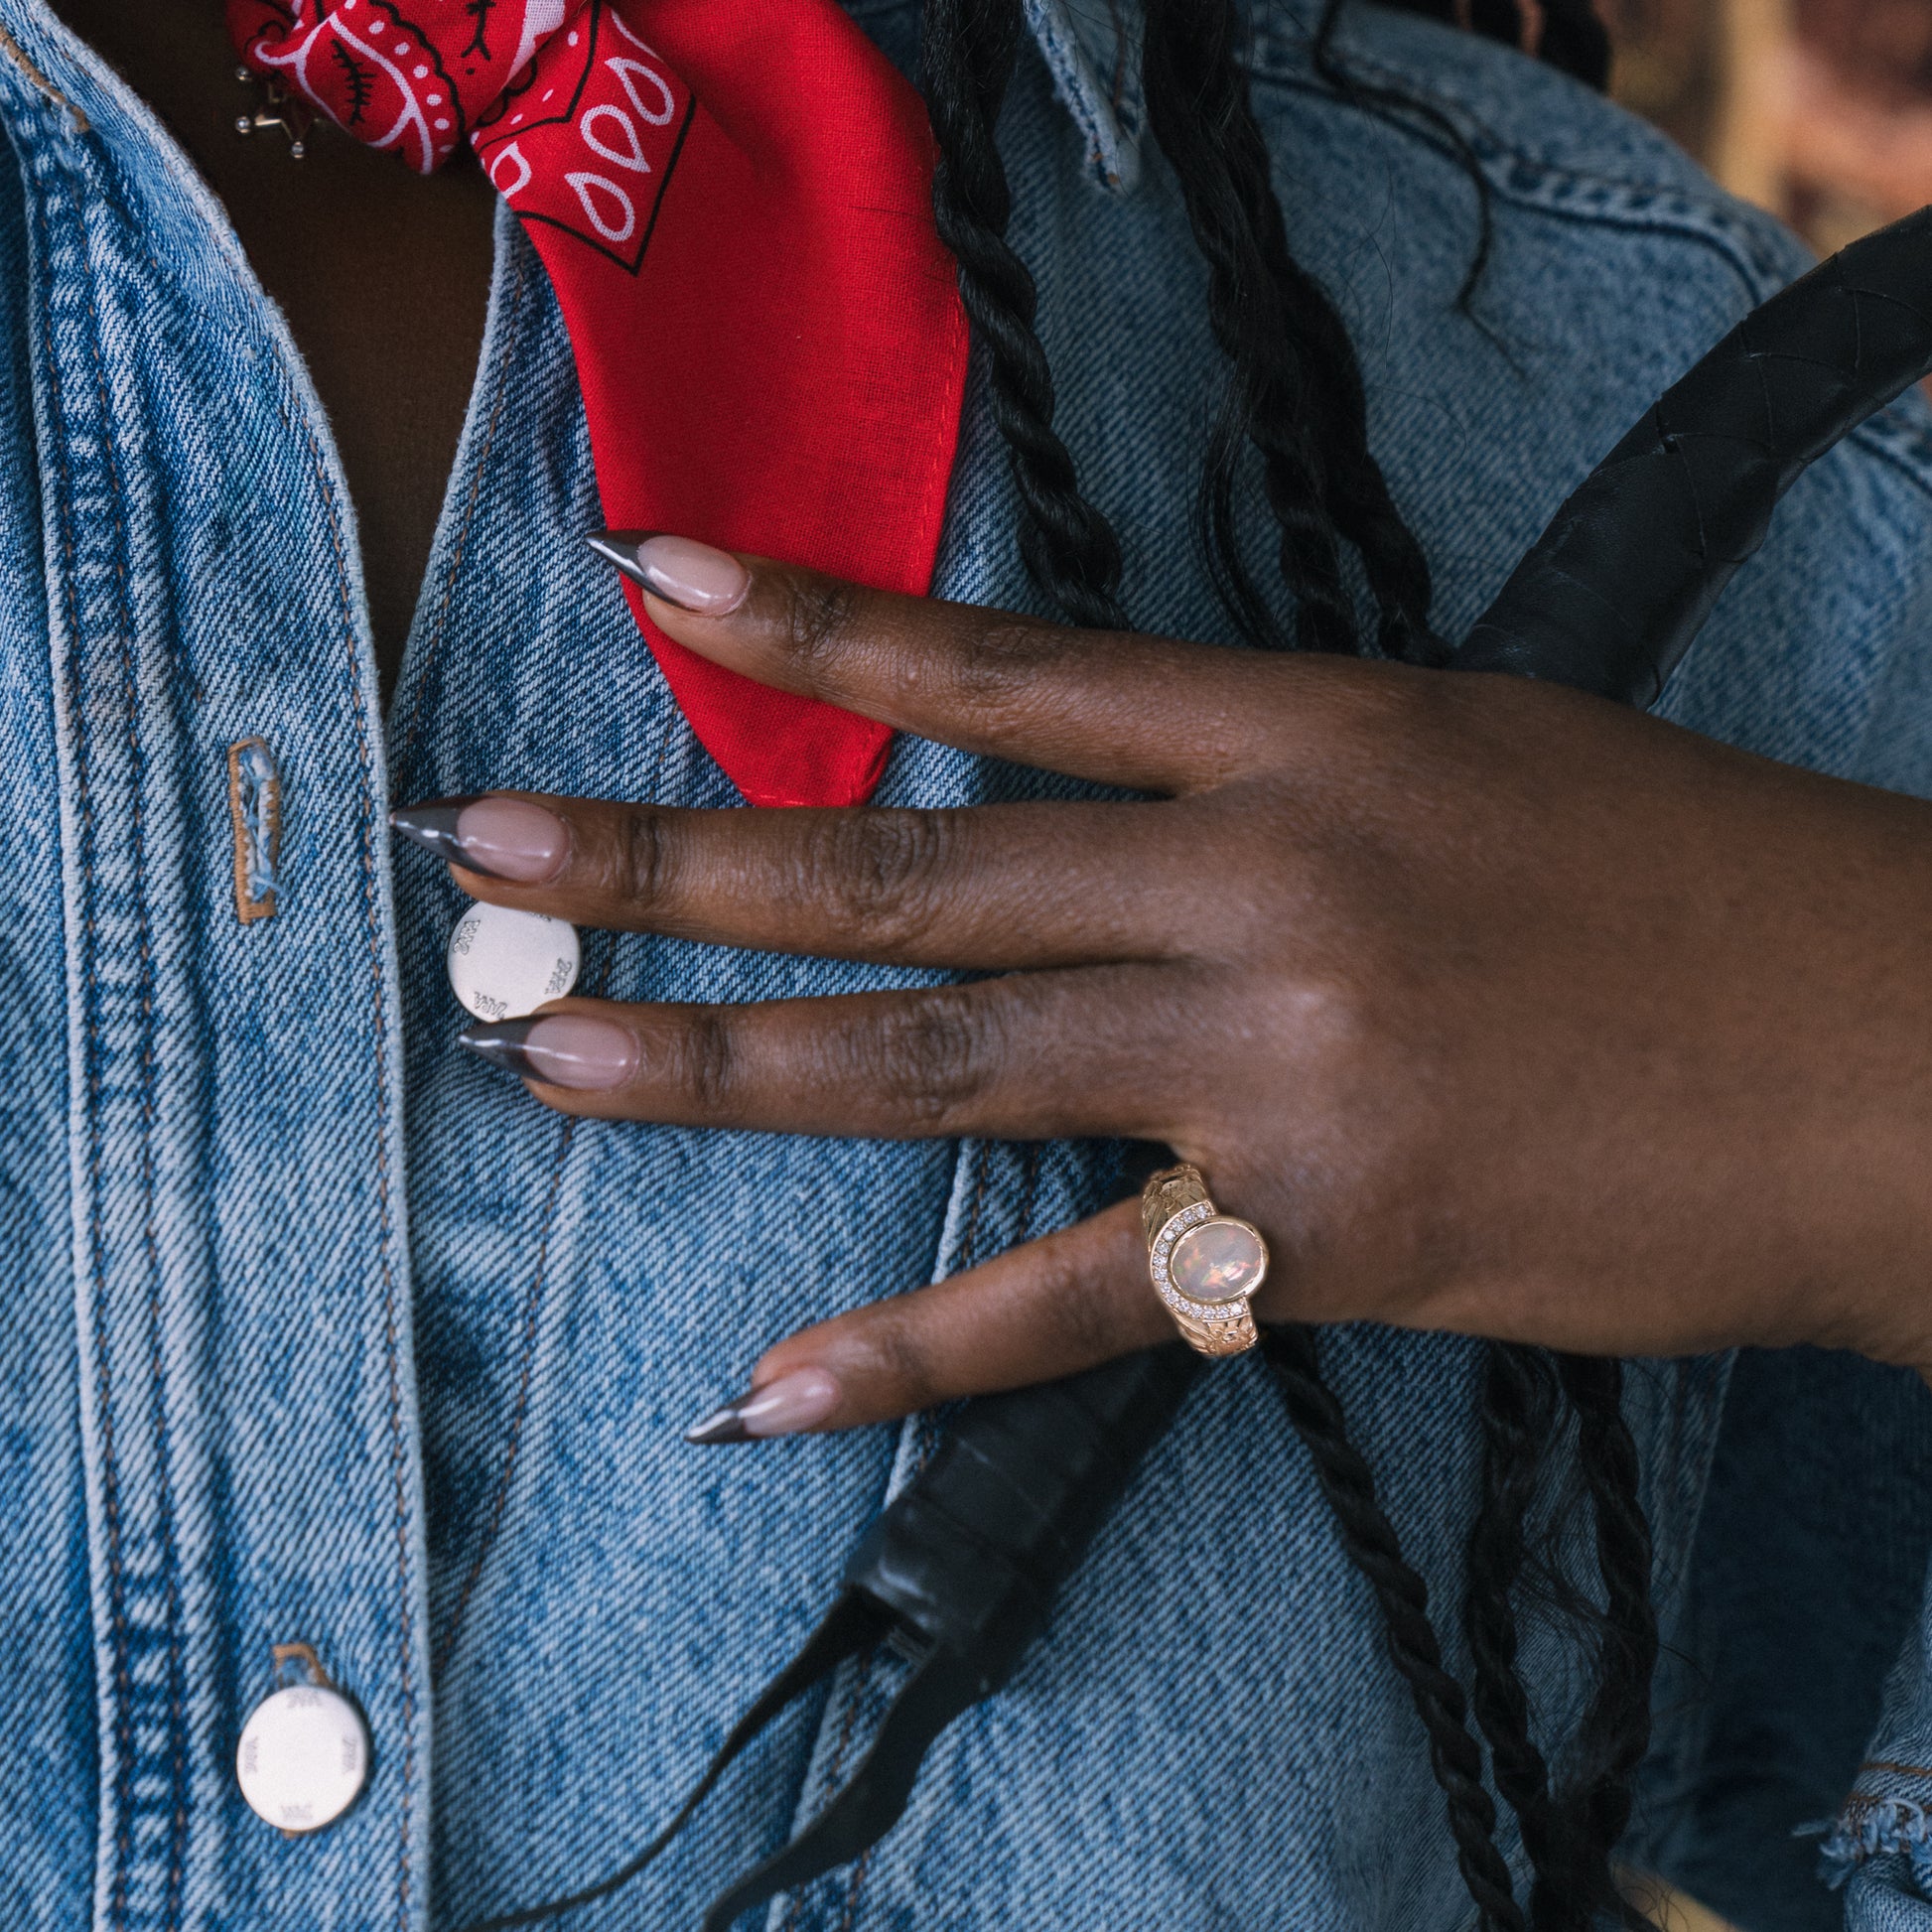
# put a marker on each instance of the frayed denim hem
(1875, 1828)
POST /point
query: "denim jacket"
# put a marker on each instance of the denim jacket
(317, 1330)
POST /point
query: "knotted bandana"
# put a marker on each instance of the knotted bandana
(733, 199)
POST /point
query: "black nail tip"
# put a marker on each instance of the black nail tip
(618, 549)
(501, 1043)
(432, 825)
(723, 1424)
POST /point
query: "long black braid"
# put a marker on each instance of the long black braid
(1569, 1836)
(1295, 390)
(1569, 1843)
(1615, 1730)
(1191, 85)
(1297, 394)
(968, 49)
(1519, 1408)
(1369, 1540)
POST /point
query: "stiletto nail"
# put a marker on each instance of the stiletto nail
(783, 1408)
(692, 576)
(504, 838)
(432, 826)
(562, 1049)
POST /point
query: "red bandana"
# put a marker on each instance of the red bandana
(732, 200)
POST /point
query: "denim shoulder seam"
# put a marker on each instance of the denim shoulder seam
(1539, 185)
(1737, 236)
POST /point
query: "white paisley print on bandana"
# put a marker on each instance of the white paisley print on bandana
(576, 118)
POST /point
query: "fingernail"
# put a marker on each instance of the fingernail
(507, 838)
(563, 1049)
(793, 1402)
(692, 576)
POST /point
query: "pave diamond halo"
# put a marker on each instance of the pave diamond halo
(1203, 1265)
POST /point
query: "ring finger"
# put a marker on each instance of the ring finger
(1029, 1057)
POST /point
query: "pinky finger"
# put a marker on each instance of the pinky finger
(1049, 1309)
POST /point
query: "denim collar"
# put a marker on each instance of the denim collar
(1091, 48)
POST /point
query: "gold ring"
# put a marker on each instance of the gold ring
(1204, 1265)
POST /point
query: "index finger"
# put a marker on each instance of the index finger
(1115, 707)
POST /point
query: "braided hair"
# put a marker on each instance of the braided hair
(1518, 1415)
(1369, 1540)
(1296, 395)
(1616, 1727)
(1294, 389)
(1070, 549)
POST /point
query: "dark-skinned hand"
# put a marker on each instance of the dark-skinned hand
(1496, 1008)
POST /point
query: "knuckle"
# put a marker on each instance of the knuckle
(820, 618)
(640, 862)
(1337, 1021)
(1359, 1044)
(878, 872)
(710, 1067)
(935, 1055)
(1419, 717)
(1000, 673)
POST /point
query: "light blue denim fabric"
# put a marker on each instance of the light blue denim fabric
(318, 1330)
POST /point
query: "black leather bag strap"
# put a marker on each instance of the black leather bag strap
(869, 1804)
(852, 1626)
(965, 1564)
(958, 1575)
(1626, 572)
(969, 1558)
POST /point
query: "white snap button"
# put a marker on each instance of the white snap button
(304, 1756)
(505, 964)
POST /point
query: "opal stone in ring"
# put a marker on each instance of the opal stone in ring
(1218, 1260)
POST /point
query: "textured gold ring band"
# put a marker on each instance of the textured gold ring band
(1205, 1266)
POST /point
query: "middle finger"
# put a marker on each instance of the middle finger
(987, 887)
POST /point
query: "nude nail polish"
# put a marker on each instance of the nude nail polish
(505, 838)
(692, 576)
(782, 1407)
(562, 1049)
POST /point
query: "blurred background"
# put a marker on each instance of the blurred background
(1820, 110)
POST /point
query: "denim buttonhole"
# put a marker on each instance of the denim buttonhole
(255, 811)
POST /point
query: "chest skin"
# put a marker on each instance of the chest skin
(383, 276)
